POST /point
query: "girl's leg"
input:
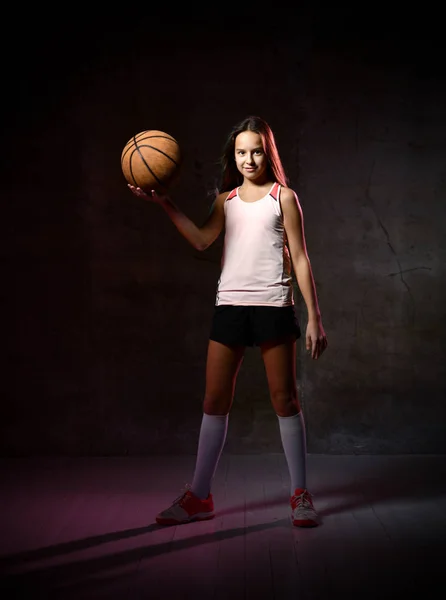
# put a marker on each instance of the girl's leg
(196, 503)
(223, 364)
(280, 363)
(279, 358)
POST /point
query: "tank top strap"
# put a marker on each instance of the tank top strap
(275, 190)
(231, 194)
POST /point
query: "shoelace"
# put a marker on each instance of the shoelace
(182, 497)
(303, 501)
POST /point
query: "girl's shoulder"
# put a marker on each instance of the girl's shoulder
(226, 195)
(221, 198)
(287, 194)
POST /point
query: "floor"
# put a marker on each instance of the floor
(84, 528)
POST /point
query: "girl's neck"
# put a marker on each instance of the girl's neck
(254, 185)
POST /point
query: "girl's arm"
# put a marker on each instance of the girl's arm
(199, 237)
(316, 340)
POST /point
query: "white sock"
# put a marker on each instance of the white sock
(210, 445)
(292, 432)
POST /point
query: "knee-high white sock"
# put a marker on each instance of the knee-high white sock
(210, 445)
(292, 432)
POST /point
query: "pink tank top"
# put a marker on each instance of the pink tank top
(256, 265)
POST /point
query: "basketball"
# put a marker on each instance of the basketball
(151, 160)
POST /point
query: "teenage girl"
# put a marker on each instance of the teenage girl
(264, 243)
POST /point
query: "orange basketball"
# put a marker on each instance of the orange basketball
(151, 160)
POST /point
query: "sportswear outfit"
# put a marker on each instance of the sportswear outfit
(254, 304)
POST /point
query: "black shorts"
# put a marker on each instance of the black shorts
(253, 325)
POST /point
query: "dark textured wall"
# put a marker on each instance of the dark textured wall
(107, 309)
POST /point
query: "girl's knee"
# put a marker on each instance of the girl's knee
(285, 404)
(216, 406)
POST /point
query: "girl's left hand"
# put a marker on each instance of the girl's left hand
(316, 340)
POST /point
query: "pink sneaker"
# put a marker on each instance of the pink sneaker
(186, 508)
(302, 509)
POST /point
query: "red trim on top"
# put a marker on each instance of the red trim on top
(274, 191)
(232, 194)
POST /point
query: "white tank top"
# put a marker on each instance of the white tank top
(255, 265)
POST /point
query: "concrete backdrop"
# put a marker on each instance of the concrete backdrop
(107, 309)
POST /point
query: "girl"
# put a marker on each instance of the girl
(264, 242)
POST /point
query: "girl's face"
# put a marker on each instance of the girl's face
(250, 156)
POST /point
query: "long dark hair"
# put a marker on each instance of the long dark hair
(230, 175)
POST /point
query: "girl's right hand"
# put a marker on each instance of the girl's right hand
(149, 195)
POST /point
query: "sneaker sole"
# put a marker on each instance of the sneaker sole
(305, 523)
(202, 517)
